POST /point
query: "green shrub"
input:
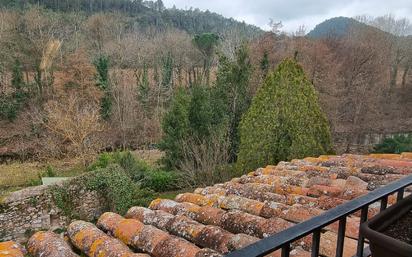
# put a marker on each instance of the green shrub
(50, 172)
(102, 161)
(142, 175)
(117, 187)
(64, 201)
(396, 144)
(161, 181)
(11, 104)
(106, 106)
(35, 181)
(8, 108)
(135, 168)
(284, 121)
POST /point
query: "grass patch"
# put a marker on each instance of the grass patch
(18, 175)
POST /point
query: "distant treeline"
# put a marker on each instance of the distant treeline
(147, 13)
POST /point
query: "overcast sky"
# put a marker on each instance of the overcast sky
(294, 13)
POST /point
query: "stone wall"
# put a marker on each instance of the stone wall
(362, 145)
(32, 209)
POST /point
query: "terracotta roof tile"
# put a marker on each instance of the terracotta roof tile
(208, 236)
(218, 219)
(95, 243)
(150, 239)
(11, 249)
(49, 244)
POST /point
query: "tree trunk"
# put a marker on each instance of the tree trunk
(405, 74)
(394, 75)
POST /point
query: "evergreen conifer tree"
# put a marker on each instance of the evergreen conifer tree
(143, 88)
(233, 88)
(102, 77)
(284, 121)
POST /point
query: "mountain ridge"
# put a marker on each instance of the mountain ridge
(146, 14)
(336, 26)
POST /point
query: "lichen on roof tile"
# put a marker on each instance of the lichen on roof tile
(11, 249)
(49, 244)
(221, 218)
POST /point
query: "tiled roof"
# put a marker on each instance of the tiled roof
(11, 249)
(215, 220)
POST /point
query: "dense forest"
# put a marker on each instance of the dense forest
(81, 77)
(144, 14)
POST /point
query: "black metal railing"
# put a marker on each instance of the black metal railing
(285, 238)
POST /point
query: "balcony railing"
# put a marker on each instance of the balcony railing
(285, 238)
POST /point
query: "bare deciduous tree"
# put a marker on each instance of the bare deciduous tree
(203, 160)
(77, 124)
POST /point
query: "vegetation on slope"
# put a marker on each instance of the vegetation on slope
(145, 14)
(335, 27)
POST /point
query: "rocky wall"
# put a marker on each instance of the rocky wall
(348, 143)
(47, 208)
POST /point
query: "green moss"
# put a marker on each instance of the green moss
(63, 200)
(33, 201)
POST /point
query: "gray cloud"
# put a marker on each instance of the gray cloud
(294, 13)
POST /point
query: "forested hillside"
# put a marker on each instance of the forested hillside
(144, 14)
(338, 27)
(81, 77)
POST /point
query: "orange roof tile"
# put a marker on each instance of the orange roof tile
(11, 249)
(215, 220)
(49, 244)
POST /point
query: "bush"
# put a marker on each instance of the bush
(284, 121)
(136, 169)
(161, 181)
(10, 105)
(64, 201)
(8, 108)
(102, 161)
(204, 161)
(396, 144)
(50, 172)
(118, 188)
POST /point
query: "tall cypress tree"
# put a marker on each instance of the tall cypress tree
(167, 71)
(10, 105)
(233, 86)
(264, 63)
(102, 77)
(18, 83)
(284, 121)
(17, 76)
(143, 89)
